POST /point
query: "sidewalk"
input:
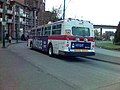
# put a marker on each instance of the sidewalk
(12, 42)
(104, 55)
(108, 52)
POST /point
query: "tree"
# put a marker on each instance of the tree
(51, 16)
(55, 13)
(117, 35)
(108, 34)
(97, 35)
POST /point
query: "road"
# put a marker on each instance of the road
(59, 73)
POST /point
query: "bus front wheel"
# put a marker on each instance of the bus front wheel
(50, 50)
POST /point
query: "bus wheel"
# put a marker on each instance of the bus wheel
(50, 51)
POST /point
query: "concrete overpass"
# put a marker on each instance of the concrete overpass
(104, 27)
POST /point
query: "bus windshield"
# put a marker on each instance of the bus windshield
(80, 31)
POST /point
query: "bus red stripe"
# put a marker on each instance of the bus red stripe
(61, 37)
(66, 37)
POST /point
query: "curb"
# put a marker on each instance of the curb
(109, 48)
(103, 60)
(107, 60)
(9, 44)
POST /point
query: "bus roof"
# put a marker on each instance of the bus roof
(61, 21)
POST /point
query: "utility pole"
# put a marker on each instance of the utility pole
(14, 21)
(3, 25)
(64, 10)
(35, 12)
(25, 28)
(18, 28)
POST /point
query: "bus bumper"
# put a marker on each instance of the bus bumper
(76, 54)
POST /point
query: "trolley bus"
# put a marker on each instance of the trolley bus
(70, 37)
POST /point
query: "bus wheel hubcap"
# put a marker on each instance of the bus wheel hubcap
(31, 45)
(50, 52)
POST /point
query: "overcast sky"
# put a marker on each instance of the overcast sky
(97, 11)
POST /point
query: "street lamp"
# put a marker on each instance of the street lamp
(3, 26)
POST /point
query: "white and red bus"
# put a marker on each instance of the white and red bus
(70, 37)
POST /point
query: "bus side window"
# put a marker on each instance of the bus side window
(38, 31)
(56, 29)
(47, 30)
(42, 31)
(33, 32)
(30, 32)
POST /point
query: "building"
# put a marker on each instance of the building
(21, 15)
(20, 1)
(42, 16)
(17, 18)
(21, 18)
(7, 13)
(39, 7)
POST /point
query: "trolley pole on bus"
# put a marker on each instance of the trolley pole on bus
(64, 10)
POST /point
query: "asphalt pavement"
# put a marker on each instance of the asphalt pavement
(25, 69)
(113, 56)
(79, 73)
(18, 74)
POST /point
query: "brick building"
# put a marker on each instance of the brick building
(40, 8)
(17, 18)
(20, 1)
(8, 17)
(43, 17)
(20, 17)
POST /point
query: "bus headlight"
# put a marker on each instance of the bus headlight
(85, 39)
(77, 39)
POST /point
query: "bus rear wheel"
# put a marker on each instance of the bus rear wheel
(31, 45)
(50, 51)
